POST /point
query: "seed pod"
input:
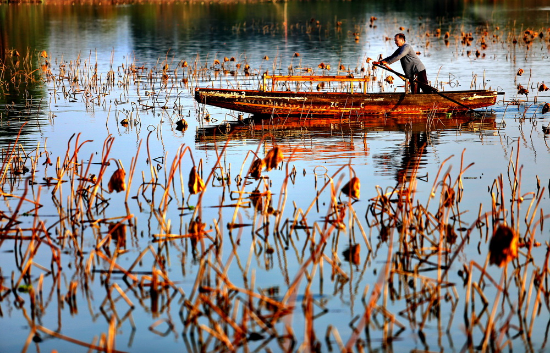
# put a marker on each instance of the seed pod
(273, 158)
(181, 125)
(44, 54)
(352, 188)
(196, 227)
(261, 202)
(503, 247)
(256, 168)
(117, 182)
(520, 72)
(195, 184)
(523, 90)
(352, 254)
(450, 234)
(545, 108)
(118, 234)
(449, 197)
(389, 79)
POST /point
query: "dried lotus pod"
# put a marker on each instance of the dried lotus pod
(273, 158)
(117, 182)
(352, 254)
(503, 247)
(195, 184)
(256, 168)
(352, 188)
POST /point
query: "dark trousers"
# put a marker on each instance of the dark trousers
(421, 82)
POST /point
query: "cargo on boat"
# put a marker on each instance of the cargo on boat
(358, 102)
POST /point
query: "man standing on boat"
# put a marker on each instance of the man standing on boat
(413, 67)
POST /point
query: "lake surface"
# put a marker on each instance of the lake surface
(269, 264)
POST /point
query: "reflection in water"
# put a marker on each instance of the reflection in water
(228, 249)
(22, 97)
(341, 139)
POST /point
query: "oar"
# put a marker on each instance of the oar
(434, 90)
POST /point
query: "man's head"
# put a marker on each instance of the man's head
(399, 39)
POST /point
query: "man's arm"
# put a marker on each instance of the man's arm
(397, 55)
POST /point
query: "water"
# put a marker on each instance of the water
(264, 256)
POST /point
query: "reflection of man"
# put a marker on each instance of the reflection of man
(413, 67)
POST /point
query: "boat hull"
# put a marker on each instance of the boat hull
(343, 104)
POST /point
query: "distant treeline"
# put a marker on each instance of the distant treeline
(116, 2)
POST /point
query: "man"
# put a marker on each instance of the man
(411, 64)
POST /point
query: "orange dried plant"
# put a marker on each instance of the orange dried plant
(352, 188)
(273, 158)
(503, 247)
(117, 182)
(195, 183)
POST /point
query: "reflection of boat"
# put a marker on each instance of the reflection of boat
(335, 140)
(347, 104)
(255, 127)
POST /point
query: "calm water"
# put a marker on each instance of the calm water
(380, 154)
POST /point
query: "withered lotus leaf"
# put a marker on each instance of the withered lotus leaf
(181, 125)
(118, 233)
(503, 247)
(195, 184)
(389, 79)
(196, 227)
(520, 72)
(261, 202)
(256, 168)
(352, 188)
(448, 197)
(117, 182)
(273, 158)
(543, 87)
(545, 108)
(352, 254)
(450, 234)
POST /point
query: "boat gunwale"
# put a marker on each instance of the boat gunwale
(267, 93)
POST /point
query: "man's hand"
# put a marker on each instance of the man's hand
(381, 63)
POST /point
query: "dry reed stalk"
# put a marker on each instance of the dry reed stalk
(113, 264)
(75, 341)
(375, 295)
(217, 335)
(107, 145)
(491, 318)
(123, 294)
(176, 164)
(223, 316)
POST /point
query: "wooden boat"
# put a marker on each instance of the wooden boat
(351, 103)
